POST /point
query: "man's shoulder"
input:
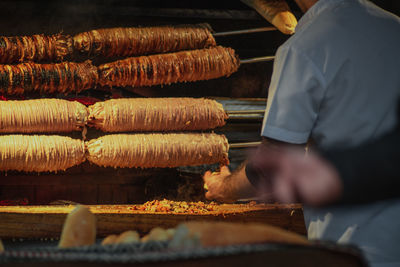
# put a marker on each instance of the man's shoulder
(344, 29)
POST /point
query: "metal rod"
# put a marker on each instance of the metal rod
(245, 144)
(264, 29)
(255, 111)
(254, 117)
(257, 59)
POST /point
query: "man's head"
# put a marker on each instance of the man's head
(305, 4)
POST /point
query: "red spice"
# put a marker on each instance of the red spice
(85, 100)
(14, 202)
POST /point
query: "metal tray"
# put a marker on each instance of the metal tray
(45, 253)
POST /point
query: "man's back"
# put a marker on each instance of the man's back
(337, 80)
(361, 69)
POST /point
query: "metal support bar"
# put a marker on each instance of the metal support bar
(255, 111)
(264, 29)
(257, 59)
(244, 145)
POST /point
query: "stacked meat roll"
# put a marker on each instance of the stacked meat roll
(62, 77)
(143, 40)
(148, 150)
(42, 116)
(40, 153)
(185, 66)
(156, 114)
(35, 48)
(195, 57)
(158, 150)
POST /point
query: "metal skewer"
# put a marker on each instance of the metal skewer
(239, 112)
(263, 29)
(246, 115)
(244, 145)
(257, 59)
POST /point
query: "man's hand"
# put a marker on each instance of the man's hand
(317, 182)
(216, 184)
(288, 175)
(228, 187)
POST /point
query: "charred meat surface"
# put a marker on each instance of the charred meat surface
(184, 66)
(143, 40)
(35, 48)
(62, 77)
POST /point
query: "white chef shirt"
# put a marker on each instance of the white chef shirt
(337, 81)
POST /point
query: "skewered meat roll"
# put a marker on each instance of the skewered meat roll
(34, 48)
(185, 66)
(42, 116)
(62, 77)
(156, 114)
(40, 153)
(143, 40)
(158, 150)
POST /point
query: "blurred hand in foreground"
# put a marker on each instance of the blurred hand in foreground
(288, 176)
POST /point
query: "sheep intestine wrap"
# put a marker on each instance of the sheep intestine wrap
(156, 114)
(40, 153)
(48, 78)
(158, 150)
(143, 40)
(35, 48)
(42, 116)
(184, 66)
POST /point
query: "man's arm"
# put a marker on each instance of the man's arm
(369, 172)
(227, 187)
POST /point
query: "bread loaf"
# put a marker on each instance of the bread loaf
(124, 238)
(109, 240)
(276, 12)
(213, 234)
(79, 228)
(127, 237)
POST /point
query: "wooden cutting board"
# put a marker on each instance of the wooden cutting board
(47, 221)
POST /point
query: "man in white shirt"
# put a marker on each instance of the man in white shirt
(335, 81)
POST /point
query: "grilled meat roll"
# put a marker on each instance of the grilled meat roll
(184, 66)
(62, 77)
(156, 114)
(143, 40)
(35, 48)
(40, 153)
(158, 150)
(42, 116)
